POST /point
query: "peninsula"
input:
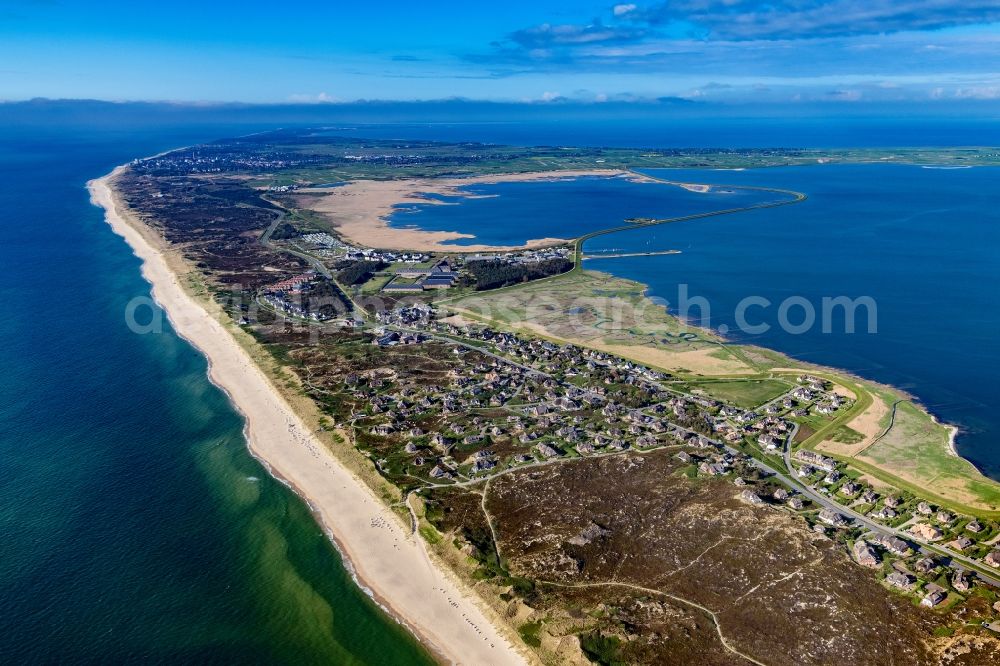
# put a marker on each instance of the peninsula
(528, 462)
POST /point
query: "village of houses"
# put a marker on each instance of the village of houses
(511, 401)
(414, 272)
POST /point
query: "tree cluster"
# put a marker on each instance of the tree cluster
(493, 274)
(358, 272)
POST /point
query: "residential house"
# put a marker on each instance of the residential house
(885, 513)
(546, 450)
(865, 554)
(926, 531)
(816, 460)
(712, 469)
(483, 465)
(894, 545)
(934, 596)
(833, 518)
(901, 580)
(850, 488)
(962, 581)
(769, 442)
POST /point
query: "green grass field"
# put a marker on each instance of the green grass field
(745, 393)
(916, 451)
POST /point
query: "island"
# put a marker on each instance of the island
(529, 462)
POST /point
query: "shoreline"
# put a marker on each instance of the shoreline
(391, 564)
(953, 429)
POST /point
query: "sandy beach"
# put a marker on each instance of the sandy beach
(360, 210)
(387, 560)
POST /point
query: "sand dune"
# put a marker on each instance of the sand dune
(388, 561)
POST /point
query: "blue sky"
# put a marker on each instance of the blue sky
(725, 51)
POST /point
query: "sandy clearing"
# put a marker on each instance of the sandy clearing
(844, 391)
(697, 361)
(868, 423)
(389, 562)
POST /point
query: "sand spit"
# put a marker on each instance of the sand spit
(388, 561)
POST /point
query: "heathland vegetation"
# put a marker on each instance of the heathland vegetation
(618, 486)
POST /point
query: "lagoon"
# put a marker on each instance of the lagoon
(511, 213)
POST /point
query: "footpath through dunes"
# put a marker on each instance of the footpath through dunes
(654, 567)
(388, 560)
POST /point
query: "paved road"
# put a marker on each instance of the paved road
(878, 528)
(359, 312)
(809, 491)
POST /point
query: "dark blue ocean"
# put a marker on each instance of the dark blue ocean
(136, 526)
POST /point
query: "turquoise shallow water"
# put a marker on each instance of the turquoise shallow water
(136, 526)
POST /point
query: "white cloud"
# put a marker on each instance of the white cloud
(805, 19)
(314, 98)
(622, 10)
(979, 92)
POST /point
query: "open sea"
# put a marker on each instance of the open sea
(136, 526)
